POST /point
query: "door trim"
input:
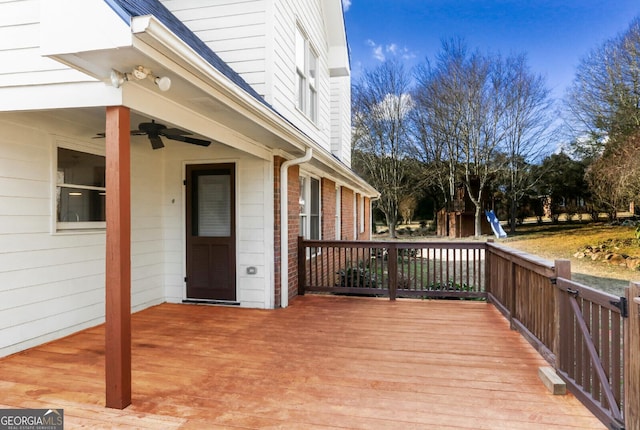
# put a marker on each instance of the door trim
(234, 162)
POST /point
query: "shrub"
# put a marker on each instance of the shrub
(357, 277)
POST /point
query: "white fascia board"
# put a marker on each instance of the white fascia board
(73, 26)
(210, 80)
(338, 62)
(152, 33)
(59, 96)
(336, 38)
(346, 175)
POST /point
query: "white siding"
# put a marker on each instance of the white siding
(20, 59)
(308, 15)
(341, 118)
(235, 30)
(52, 284)
(254, 220)
(257, 39)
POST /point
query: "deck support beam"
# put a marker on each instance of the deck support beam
(118, 259)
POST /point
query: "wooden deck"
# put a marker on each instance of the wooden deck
(324, 362)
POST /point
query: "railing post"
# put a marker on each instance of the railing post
(563, 270)
(632, 359)
(302, 272)
(392, 267)
(513, 297)
(487, 267)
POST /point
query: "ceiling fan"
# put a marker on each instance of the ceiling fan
(154, 130)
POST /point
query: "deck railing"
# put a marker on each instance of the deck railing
(393, 269)
(576, 328)
(582, 332)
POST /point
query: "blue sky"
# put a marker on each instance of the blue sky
(555, 34)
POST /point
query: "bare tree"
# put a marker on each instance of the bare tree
(528, 129)
(381, 103)
(463, 96)
(477, 116)
(436, 137)
(604, 113)
(408, 207)
(603, 102)
(614, 178)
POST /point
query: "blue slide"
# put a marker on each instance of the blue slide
(495, 225)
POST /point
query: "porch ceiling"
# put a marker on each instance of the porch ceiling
(197, 88)
(201, 99)
(323, 362)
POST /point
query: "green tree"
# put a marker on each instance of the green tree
(562, 179)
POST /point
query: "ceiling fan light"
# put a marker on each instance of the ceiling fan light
(164, 83)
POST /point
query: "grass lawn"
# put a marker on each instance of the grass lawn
(563, 240)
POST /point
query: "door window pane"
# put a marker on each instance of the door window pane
(213, 205)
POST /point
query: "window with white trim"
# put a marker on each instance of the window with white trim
(338, 210)
(80, 190)
(306, 76)
(355, 217)
(361, 214)
(310, 208)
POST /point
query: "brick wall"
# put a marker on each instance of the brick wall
(348, 224)
(294, 227)
(346, 208)
(366, 234)
(293, 191)
(328, 205)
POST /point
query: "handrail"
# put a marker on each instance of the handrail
(529, 261)
(427, 269)
(577, 329)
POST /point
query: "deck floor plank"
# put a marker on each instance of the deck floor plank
(326, 362)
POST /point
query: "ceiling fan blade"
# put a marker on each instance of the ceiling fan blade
(173, 132)
(156, 142)
(191, 140)
(102, 135)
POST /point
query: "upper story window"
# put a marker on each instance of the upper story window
(306, 75)
(80, 190)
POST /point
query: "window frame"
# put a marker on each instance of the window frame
(306, 75)
(73, 226)
(361, 213)
(306, 217)
(338, 219)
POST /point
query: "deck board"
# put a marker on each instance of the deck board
(325, 362)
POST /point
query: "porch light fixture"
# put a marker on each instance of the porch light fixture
(164, 83)
(139, 73)
(118, 78)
